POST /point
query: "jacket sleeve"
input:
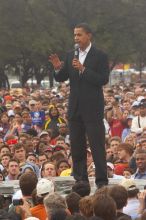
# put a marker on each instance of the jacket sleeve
(62, 74)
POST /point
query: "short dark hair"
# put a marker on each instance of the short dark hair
(19, 146)
(72, 200)
(104, 206)
(28, 182)
(84, 26)
(82, 188)
(119, 194)
(58, 214)
(127, 147)
(13, 160)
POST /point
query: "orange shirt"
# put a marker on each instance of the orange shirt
(39, 212)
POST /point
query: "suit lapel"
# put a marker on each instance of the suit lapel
(89, 55)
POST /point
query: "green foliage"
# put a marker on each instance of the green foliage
(35, 28)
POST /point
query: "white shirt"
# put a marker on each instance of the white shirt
(83, 54)
(135, 125)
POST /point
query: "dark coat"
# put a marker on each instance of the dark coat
(86, 93)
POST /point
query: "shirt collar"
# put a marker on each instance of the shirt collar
(86, 50)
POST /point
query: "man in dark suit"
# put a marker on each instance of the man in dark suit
(87, 74)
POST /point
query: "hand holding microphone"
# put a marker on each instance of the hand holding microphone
(76, 63)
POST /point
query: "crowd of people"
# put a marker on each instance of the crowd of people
(35, 146)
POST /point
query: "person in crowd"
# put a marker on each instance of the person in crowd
(27, 182)
(54, 120)
(54, 201)
(62, 165)
(133, 204)
(115, 119)
(111, 171)
(72, 200)
(31, 157)
(140, 157)
(2, 177)
(20, 153)
(4, 149)
(13, 170)
(125, 152)
(48, 170)
(42, 158)
(82, 188)
(120, 196)
(128, 125)
(4, 124)
(86, 206)
(139, 122)
(5, 160)
(43, 188)
(114, 143)
(104, 206)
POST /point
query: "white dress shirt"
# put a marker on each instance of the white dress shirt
(83, 54)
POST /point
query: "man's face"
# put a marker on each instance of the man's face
(126, 106)
(45, 138)
(62, 129)
(5, 160)
(143, 145)
(13, 168)
(42, 159)
(4, 150)
(109, 153)
(31, 159)
(20, 154)
(114, 146)
(49, 170)
(122, 154)
(39, 105)
(61, 143)
(26, 118)
(82, 38)
(141, 161)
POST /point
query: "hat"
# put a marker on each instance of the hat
(44, 186)
(43, 133)
(129, 184)
(12, 141)
(119, 168)
(135, 104)
(8, 105)
(140, 98)
(11, 113)
(143, 103)
(130, 117)
(110, 165)
(32, 102)
(25, 167)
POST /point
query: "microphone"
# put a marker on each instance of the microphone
(76, 51)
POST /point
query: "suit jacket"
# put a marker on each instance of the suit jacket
(86, 95)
